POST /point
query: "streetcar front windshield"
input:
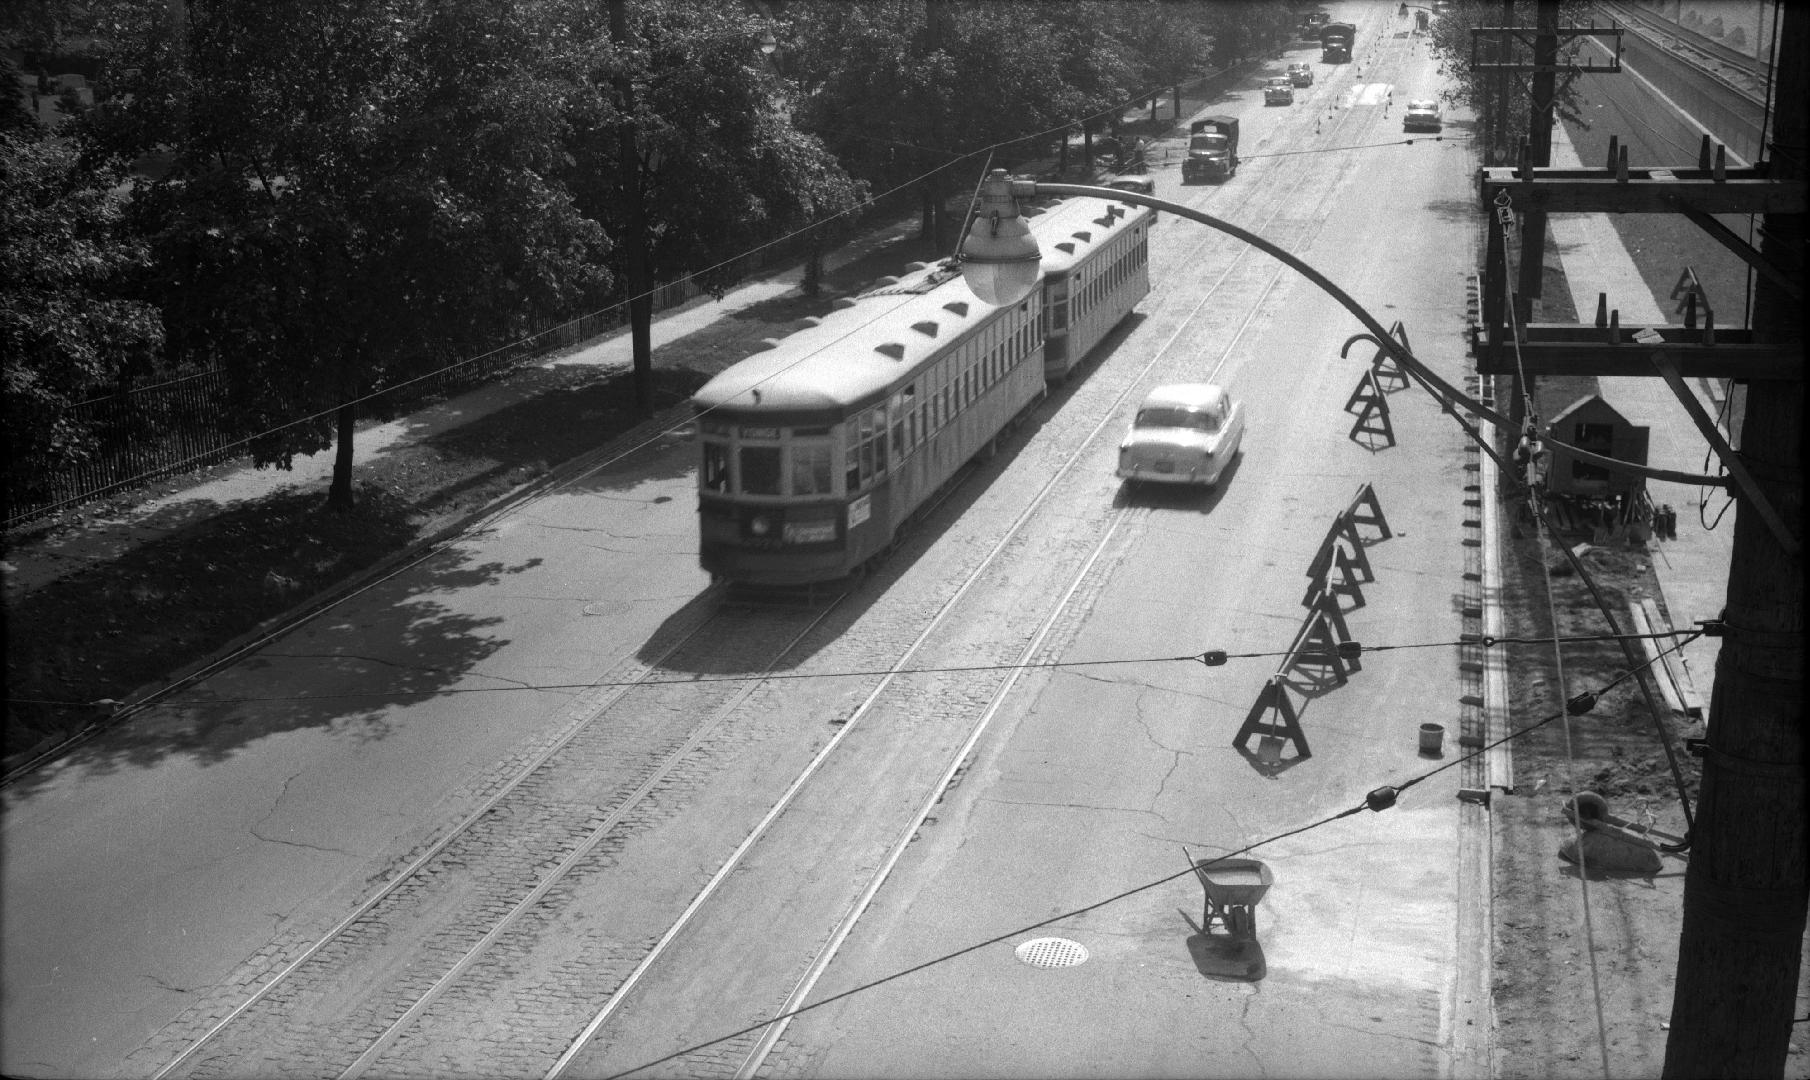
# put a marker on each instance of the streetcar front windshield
(760, 470)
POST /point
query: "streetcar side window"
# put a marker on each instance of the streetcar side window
(713, 475)
(760, 470)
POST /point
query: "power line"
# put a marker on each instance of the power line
(1378, 800)
(1208, 658)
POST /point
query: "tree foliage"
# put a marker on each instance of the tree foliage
(721, 169)
(359, 191)
(69, 323)
(1503, 101)
(332, 198)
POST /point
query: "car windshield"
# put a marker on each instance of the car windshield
(1420, 106)
(1207, 142)
(1169, 416)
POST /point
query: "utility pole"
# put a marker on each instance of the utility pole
(1539, 150)
(1745, 887)
(640, 298)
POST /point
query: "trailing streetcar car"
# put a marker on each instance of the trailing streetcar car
(1096, 267)
(815, 452)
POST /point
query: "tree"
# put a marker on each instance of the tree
(359, 192)
(1502, 101)
(70, 326)
(901, 92)
(716, 169)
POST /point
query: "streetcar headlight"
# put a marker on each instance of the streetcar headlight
(760, 525)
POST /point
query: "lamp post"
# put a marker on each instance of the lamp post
(999, 261)
(999, 257)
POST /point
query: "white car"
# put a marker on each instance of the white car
(1421, 116)
(1184, 433)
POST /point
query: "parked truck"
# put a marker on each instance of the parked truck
(1335, 42)
(1212, 149)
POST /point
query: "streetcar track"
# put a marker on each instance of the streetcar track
(795, 1001)
(575, 856)
(770, 1036)
(519, 781)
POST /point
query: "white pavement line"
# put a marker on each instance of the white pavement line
(1734, 160)
(1595, 259)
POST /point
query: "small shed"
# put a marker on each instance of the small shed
(1590, 423)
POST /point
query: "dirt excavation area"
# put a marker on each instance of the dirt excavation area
(1557, 1014)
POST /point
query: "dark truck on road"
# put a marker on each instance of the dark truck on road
(1212, 149)
(1335, 42)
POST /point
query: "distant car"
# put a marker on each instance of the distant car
(1279, 91)
(1300, 75)
(1421, 116)
(1184, 433)
(1141, 183)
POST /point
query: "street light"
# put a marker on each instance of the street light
(1000, 263)
(768, 43)
(999, 256)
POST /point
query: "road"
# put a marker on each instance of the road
(672, 865)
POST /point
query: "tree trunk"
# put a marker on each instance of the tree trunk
(926, 213)
(641, 302)
(813, 264)
(339, 493)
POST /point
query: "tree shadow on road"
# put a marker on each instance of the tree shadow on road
(209, 590)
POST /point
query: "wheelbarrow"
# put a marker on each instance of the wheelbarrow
(1234, 888)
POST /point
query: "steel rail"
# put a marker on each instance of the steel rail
(435, 850)
(578, 854)
(801, 992)
(820, 962)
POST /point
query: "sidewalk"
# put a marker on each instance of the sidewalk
(1692, 569)
(68, 548)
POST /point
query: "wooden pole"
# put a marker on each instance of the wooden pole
(1745, 888)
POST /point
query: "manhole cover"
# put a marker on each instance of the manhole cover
(1051, 952)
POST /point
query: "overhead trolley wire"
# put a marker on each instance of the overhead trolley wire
(1377, 800)
(1207, 658)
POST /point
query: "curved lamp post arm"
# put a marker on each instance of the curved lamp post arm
(1031, 188)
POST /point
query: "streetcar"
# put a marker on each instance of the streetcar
(1096, 267)
(815, 452)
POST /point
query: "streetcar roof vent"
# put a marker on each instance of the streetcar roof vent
(892, 349)
(1066, 246)
(927, 327)
(847, 302)
(959, 307)
(812, 320)
(1083, 235)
